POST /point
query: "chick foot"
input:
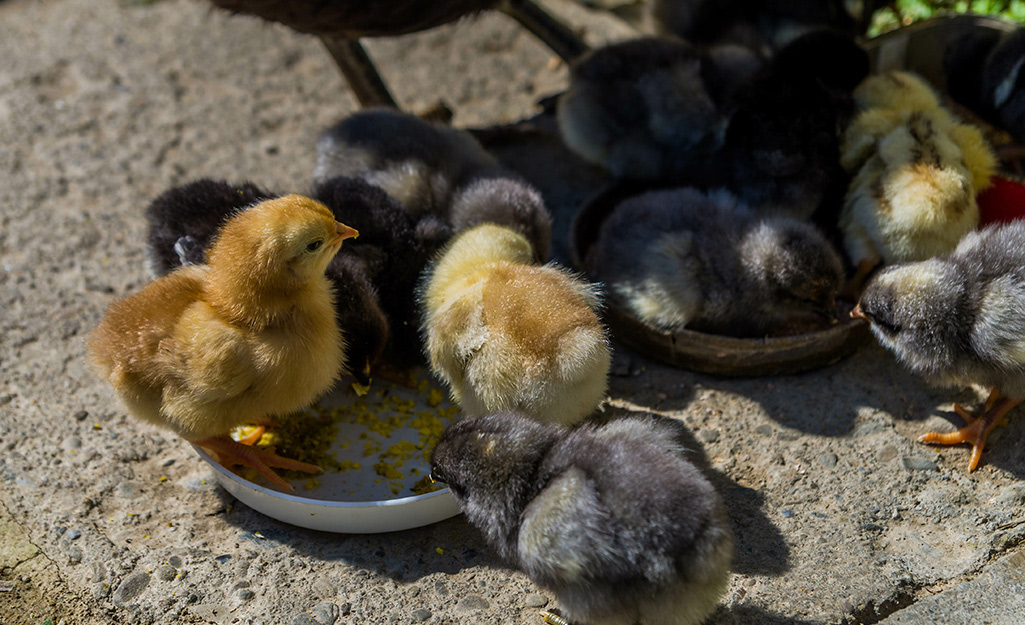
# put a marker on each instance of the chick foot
(977, 430)
(553, 618)
(230, 453)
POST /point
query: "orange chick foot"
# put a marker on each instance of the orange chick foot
(231, 453)
(977, 430)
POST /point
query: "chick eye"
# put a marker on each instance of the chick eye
(314, 246)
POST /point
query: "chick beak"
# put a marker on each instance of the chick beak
(433, 477)
(344, 232)
(858, 313)
(363, 375)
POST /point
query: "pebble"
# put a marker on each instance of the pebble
(99, 590)
(70, 443)
(828, 460)
(345, 608)
(323, 588)
(914, 463)
(303, 619)
(73, 534)
(709, 436)
(244, 594)
(74, 555)
(131, 588)
(787, 513)
(536, 601)
(764, 430)
(212, 612)
(472, 602)
(1011, 495)
(421, 615)
(81, 415)
(166, 572)
(128, 490)
(325, 613)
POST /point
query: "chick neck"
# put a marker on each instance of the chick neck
(259, 299)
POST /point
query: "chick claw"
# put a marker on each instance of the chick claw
(977, 430)
(230, 453)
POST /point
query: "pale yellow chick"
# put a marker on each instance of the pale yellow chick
(247, 336)
(507, 334)
(916, 170)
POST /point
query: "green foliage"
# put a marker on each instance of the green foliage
(904, 12)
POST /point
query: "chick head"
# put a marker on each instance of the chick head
(796, 262)
(914, 312)
(279, 243)
(490, 463)
(896, 90)
(505, 202)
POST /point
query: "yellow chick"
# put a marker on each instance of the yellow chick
(507, 334)
(249, 335)
(916, 170)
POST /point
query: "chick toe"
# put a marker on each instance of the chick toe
(254, 436)
(230, 453)
(977, 430)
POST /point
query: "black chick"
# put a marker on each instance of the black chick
(390, 251)
(641, 108)
(187, 217)
(782, 146)
(441, 175)
(963, 61)
(958, 320)
(612, 518)
(984, 71)
(763, 25)
(1004, 83)
(183, 220)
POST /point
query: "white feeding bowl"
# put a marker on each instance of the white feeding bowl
(374, 493)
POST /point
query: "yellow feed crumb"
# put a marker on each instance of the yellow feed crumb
(439, 551)
(397, 425)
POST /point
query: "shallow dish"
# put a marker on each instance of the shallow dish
(373, 493)
(699, 351)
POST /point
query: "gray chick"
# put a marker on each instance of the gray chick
(959, 320)
(442, 176)
(680, 258)
(612, 518)
(642, 109)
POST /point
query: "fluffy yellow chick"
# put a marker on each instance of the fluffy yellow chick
(916, 171)
(249, 335)
(507, 334)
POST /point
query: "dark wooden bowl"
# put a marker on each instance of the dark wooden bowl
(699, 351)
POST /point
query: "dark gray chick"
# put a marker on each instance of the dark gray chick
(681, 258)
(504, 202)
(612, 518)
(959, 320)
(641, 108)
(441, 175)
(182, 224)
(416, 162)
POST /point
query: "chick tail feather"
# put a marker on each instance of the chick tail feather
(230, 453)
(977, 430)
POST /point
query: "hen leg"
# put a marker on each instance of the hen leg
(231, 453)
(978, 428)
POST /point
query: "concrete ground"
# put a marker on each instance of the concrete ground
(841, 517)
